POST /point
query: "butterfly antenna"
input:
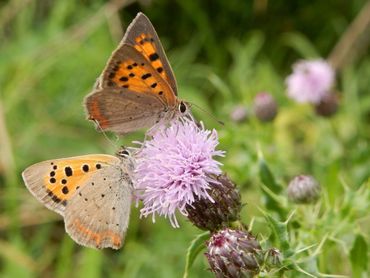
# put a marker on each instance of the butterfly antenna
(208, 113)
(114, 144)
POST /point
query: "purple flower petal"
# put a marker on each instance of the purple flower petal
(310, 81)
(174, 167)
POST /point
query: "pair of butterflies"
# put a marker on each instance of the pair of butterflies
(93, 192)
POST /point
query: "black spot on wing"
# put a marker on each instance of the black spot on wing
(145, 76)
(153, 57)
(68, 171)
(85, 168)
(55, 199)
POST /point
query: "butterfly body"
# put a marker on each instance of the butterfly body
(137, 88)
(92, 192)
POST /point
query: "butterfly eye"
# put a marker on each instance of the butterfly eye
(123, 153)
(182, 107)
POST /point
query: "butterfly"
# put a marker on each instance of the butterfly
(137, 88)
(92, 192)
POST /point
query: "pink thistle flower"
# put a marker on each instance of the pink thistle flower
(310, 81)
(176, 167)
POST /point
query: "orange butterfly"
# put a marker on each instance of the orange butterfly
(137, 88)
(92, 192)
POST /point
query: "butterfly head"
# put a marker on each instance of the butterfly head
(126, 158)
(123, 153)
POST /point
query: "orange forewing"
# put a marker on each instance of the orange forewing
(142, 35)
(65, 176)
(138, 78)
(129, 70)
(145, 45)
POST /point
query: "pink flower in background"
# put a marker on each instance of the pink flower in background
(310, 81)
(175, 167)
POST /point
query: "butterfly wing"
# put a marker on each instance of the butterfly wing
(122, 112)
(142, 35)
(129, 69)
(54, 182)
(98, 215)
(131, 76)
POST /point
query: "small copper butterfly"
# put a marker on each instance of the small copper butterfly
(92, 192)
(137, 88)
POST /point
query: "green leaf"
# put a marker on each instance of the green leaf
(267, 177)
(359, 257)
(194, 249)
(271, 188)
(280, 233)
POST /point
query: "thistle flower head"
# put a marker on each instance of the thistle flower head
(310, 81)
(234, 253)
(239, 113)
(209, 215)
(328, 106)
(265, 107)
(304, 189)
(175, 167)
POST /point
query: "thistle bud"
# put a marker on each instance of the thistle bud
(303, 189)
(234, 253)
(328, 105)
(265, 107)
(239, 114)
(274, 257)
(225, 208)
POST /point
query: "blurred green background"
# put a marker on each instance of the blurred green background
(222, 53)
